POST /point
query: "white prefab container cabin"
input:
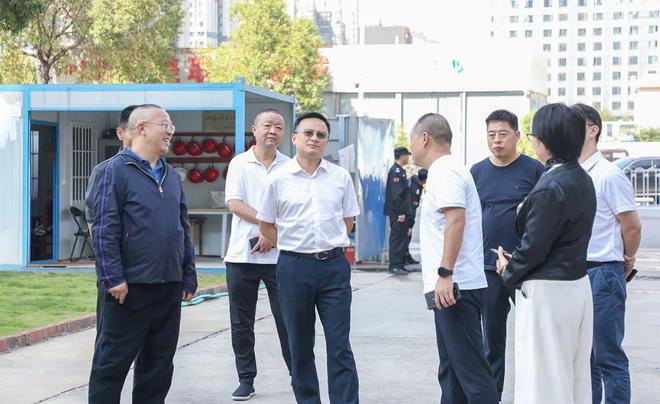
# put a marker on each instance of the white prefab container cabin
(51, 136)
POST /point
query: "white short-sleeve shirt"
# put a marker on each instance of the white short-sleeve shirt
(450, 185)
(246, 178)
(614, 195)
(309, 210)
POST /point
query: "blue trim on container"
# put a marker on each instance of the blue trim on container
(44, 123)
(270, 94)
(56, 187)
(25, 256)
(104, 109)
(239, 108)
(48, 261)
(238, 97)
(341, 123)
(56, 195)
(118, 87)
(292, 150)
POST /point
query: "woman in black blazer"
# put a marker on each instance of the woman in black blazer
(554, 311)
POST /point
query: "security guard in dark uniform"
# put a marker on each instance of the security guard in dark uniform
(416, 187)
(398, 206)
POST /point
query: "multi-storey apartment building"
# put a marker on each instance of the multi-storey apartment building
(202, 23)
(338, 20)
(207, 23)
(596, 49)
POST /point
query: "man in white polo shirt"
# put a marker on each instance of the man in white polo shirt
(251, 258)
(451, 249)
(614, 241)
(307, 210)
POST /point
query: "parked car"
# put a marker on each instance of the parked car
(643, 170)
(614, 154)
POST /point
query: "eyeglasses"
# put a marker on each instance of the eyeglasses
(165, 125)
(309, 133)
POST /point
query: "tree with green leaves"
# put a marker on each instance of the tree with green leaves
(131, 41)
(15, 15)
(103, 41)
(648, 135)
(606, 115)
(525, 127)
(52, 36)
(401, 138)
(15, 67)
(271, 50)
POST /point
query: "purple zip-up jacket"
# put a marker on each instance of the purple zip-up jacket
(140, 227)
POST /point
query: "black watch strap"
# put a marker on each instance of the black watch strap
(444, 272)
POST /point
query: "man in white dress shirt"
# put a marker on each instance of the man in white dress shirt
(251, 258)
(451, 248)
(307, 210)
(615, 238)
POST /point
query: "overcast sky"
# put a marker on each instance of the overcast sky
(437, 19)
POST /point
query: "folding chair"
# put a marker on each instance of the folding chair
(81, 222)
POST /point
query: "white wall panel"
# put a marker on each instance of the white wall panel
(103, 100)
(11, 177)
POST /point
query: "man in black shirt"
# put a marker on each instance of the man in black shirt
(503, 180)
(416, 187)
(398, 206)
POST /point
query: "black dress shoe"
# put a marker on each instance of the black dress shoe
(412, 261)
(398, 271)
(244, 392)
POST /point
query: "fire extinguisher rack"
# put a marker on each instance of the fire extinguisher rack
(208, 159)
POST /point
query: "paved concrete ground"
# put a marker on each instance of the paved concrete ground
(650, 218)
(392, 337)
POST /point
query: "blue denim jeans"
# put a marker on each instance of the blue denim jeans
(609, 363)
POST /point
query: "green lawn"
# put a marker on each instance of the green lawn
(35, 299)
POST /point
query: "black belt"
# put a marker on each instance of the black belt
(319, 256)
(593, 264)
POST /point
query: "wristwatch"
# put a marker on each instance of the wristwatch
(444, 272)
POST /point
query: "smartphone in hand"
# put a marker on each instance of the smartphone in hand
(507, 254)
(253, 242)
(430, 297)
(631, 276)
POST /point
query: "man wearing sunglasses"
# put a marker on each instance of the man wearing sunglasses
(307, 210)
(145, 262)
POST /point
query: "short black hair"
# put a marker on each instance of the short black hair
(590, 115)
(310, 115)
(266, 111)
(503, 115)
(422, 174)
(436, 126)
(561, 130)
(124, 115)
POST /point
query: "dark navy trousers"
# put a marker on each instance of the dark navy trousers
(609, 363)
(464, 374)
(494, 312)
(306, 286)
(145, 328)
